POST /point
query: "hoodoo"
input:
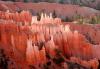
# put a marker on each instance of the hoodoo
(47, 43)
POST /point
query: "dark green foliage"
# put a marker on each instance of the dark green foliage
(61, 1)
(54, 14)
(25, 0)
(58, 60)
(48, 63)
(45, 66)
(48, 56)
(78, 18)
(92, 0)
(74, 1)
(35, 1)
(3, 60)
(67, 19)
(95, 20)
(38, 16)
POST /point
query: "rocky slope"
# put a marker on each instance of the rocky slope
(88, 3)
(35, 8)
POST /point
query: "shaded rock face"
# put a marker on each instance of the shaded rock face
(30, 43)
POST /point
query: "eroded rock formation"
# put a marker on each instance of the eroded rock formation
(43, 44)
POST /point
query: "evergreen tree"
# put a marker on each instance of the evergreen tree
(25, 0)
(54, 14)
(93, 21)
(38, 16)
(61, 1)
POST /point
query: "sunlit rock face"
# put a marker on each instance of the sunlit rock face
(45, 43)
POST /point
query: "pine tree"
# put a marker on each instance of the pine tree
(25, 0)
(61, 1)
(54, 14)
